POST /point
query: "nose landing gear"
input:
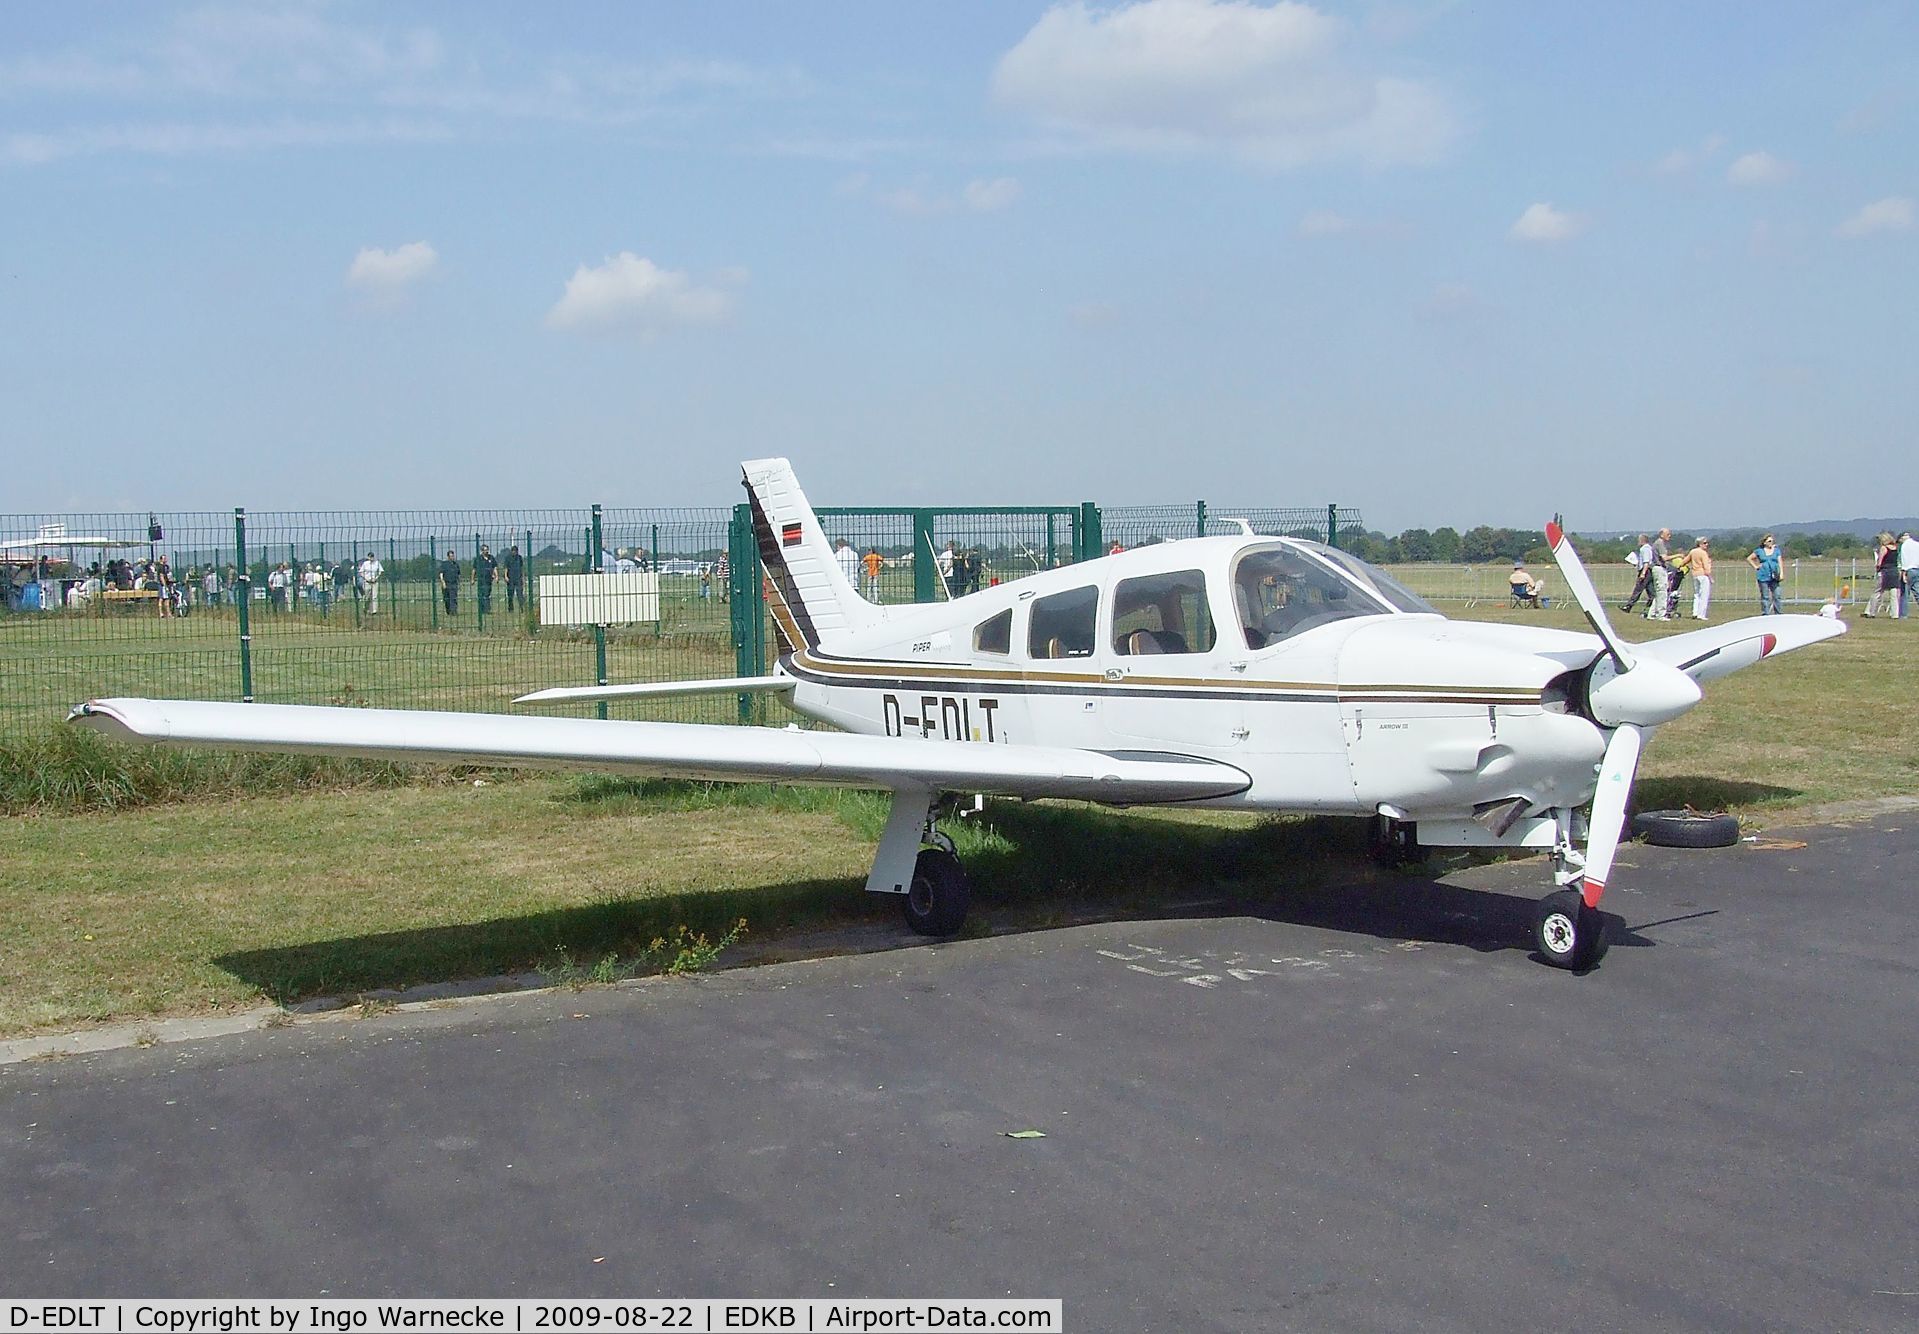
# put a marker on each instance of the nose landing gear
(1567, 933)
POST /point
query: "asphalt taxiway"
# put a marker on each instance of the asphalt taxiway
(1365, 1108)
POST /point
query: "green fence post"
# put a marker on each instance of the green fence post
(599, 631)
(479, 612)
(432, 583)
(1199, 510)
(653, 561)
(745, 604)
(246, 597)
(1092, 543)
(527, 582)
(925, 556)
(1332, 526)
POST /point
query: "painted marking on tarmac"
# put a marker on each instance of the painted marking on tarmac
(1211, 970)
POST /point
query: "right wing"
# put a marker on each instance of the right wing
(670, 750)
(730, 685)
(1720, 650)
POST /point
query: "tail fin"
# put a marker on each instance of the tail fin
(812, 599)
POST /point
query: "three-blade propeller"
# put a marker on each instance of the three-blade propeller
(1626, 694)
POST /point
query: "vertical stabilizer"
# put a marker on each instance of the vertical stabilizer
(811, 598)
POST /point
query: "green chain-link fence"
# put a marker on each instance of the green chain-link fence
(438, 609)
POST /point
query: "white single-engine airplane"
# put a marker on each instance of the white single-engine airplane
(1243, 673)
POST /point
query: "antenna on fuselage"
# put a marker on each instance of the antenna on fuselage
(1244, 527)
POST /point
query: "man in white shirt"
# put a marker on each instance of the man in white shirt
(370, 572)
(1908, 570)
(1640, 558)
(849, 560)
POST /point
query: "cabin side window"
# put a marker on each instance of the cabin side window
(1163, 613)
(1061, 626)
(994, 634)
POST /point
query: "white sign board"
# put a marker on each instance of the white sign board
(599, 599)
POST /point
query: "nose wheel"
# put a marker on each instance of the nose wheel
(1567, 933)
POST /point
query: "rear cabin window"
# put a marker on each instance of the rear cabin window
(1061, 626)
(1162, 613)
(995, 634)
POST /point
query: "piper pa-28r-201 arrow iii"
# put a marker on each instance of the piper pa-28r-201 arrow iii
(1243, 673)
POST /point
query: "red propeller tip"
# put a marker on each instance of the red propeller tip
(1554, 534)
(1767, 643)
(1591, 892)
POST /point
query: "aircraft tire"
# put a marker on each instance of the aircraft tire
(1395, 844)
(1686, 829)
(936, 902)
(1567, 933)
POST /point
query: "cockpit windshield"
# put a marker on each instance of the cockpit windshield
(1284, 591)
(1375, 580)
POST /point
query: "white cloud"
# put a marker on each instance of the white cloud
(1758, 169)
(1452, 301)
(632, 294)
(379, 270)
(923, 201)
(1322, 222)
(194, 83)
(181, 140)
(990, 196)
(1893, 214)
(1268, 83)
(1542, 223)
(1681, 161)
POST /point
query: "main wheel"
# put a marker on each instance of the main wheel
(936, 902)
(1395, 843)
(1686, 829)
(1567, 932)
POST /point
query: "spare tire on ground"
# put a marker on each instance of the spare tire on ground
(1686, 829)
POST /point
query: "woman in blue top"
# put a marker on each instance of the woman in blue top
(1765, 564)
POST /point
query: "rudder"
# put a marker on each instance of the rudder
(812, 601)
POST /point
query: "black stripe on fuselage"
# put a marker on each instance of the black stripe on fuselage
(960, 685)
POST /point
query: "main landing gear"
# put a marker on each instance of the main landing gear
(917, 862)
(935, 903)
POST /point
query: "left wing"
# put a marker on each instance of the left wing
(671, 750)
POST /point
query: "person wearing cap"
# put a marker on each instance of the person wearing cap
(1525, 587)
(1699, 563)
(1885, 564)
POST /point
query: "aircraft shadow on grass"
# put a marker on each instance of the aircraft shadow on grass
(1038, 865)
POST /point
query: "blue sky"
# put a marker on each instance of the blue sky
(1643, 263)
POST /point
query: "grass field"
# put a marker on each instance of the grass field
(214, 902)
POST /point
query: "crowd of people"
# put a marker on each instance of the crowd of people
(287, 585)
(1660, 571)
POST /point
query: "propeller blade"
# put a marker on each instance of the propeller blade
(1583, 592)
(1609, 809)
